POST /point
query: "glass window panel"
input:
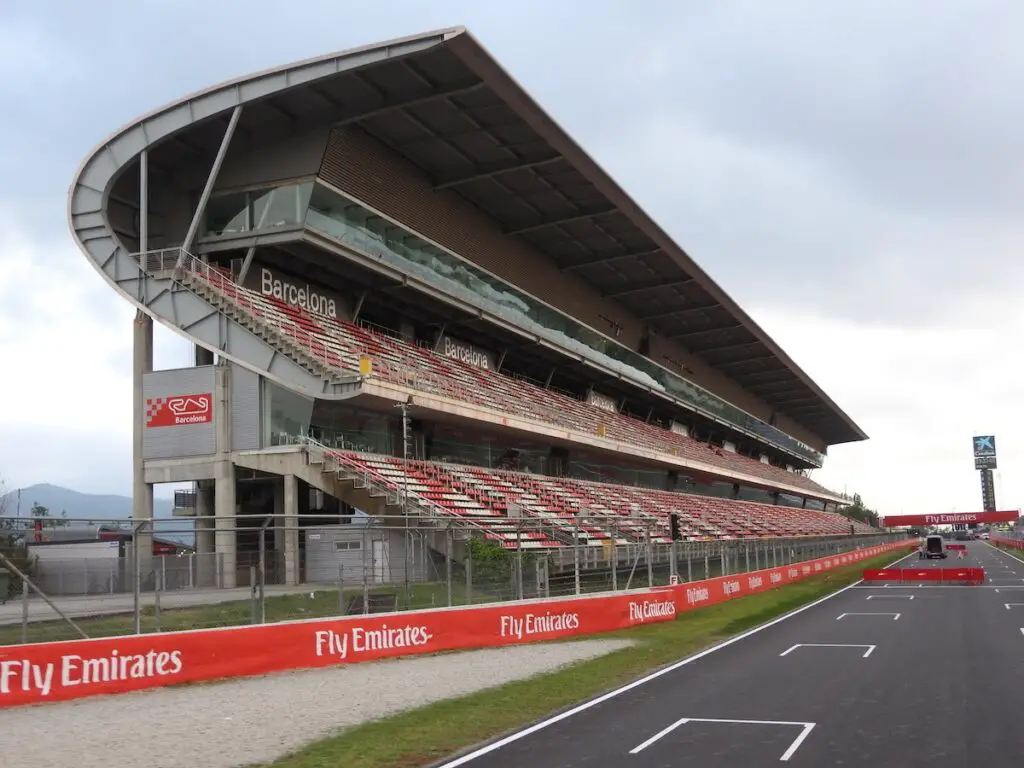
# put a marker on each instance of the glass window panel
(227, 214)
(350, 223)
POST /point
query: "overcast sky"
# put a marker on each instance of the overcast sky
(850, 171)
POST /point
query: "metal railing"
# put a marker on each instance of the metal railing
(323, 358)
(337, 566)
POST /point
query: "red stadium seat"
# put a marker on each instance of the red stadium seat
(341, 345)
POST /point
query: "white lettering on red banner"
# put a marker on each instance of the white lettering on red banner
(651, 609)
(76, 670)
(61, 671)
(535, 624)
(179, 410)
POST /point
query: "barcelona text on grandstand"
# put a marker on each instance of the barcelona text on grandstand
(466, 353)
(75, 670)
(302, 296)
(356, 640)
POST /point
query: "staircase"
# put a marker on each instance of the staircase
(202, 280)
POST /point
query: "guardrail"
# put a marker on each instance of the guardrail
(1010, 543)
(31, 674)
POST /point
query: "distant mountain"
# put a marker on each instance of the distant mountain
(98, 508)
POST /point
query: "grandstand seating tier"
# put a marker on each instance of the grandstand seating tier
(556, 508)
(341, 345)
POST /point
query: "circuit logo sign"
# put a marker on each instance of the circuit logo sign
(179, 410)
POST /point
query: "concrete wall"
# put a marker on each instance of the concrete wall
(364, 168)
(246, 409)
(376, 554)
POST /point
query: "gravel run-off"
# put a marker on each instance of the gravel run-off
(257, 720)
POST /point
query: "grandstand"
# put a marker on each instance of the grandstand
(409, 290)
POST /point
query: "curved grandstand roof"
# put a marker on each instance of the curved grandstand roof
(444, 104)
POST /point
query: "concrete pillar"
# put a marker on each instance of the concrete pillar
(279, 516)
(225, 505)
(291, 530)
(206, 570)
(142, 492)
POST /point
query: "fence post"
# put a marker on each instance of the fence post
(650, 563)
(24, 612)
(448, 535)
(746, 556)
(615, 564)
(158, 582)
(341, 593)
(689, 561)
(519, 559)
(254, 594)
(469, 572)
(576, 553)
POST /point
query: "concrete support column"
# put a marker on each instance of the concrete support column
(225, 504)
(279, 516)
(291, 530)
(225, 535)
(206, 567)
(142, 492)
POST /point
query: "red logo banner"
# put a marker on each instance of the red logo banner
(952, 518)
(179, 410)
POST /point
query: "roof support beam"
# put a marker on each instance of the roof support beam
(682, 312)
(791, 400)
(557, 222)
(494, 170)
(774, 388)
(646, 286)
(728, 347)
(690, 334)
(405, 103)
(613, 257)
(211, 180)
(744, 361)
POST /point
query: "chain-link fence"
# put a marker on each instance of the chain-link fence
(86, 580)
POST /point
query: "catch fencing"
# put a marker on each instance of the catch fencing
(364, 565)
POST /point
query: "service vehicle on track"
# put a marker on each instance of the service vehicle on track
(933, 548)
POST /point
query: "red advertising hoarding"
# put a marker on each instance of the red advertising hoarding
(951, 518)
(31, 674)
(179, 410)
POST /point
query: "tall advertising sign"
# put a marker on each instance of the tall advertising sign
(985, 462)
(984, 451)
(988, 491)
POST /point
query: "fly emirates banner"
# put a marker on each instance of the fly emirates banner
(44, 672)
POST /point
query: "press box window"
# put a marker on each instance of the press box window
(347, 546)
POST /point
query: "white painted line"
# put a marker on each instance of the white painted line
(895, 616)
(1009, 604)
(513, 737)
(867, 653)
(882, 597)
(660, 734)
(806, 728)
(998, 589)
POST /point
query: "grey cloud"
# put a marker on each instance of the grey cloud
(903, 118)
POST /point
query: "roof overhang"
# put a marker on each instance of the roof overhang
(441, 101)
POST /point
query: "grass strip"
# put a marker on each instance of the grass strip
(422, 736)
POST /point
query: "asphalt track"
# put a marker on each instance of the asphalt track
(942, 684)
